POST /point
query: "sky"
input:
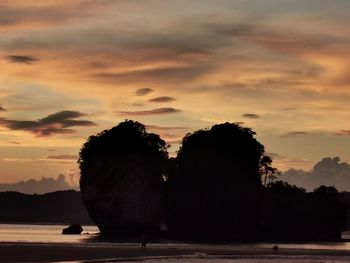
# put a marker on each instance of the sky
(70, 69)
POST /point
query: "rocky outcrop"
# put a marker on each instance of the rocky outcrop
(121, 180)
(74, 229)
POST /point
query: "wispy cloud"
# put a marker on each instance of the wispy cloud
(343, 133)
(158, 111)
(46, 13)
(57, 123)
(162, 99)
(21, 59)
(251, 116)
(292, 42)
(155, 75)
(51, 150)
(284, 162)
(143, 91)
(165, 128)
(295, 133)
(61, 157)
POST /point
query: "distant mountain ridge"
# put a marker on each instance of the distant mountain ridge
(65, 207)
(45, 185)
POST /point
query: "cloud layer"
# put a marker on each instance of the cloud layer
(328, 171)
(57, 123)
(283, 69)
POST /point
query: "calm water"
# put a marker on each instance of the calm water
(52, 234)
(42, 233)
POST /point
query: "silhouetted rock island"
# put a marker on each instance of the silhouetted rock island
(121, 181)
(221, 186)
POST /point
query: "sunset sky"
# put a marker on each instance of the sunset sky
(69, 69)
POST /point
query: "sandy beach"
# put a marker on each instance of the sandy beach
(109, 252)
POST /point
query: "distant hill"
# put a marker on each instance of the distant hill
(31, 186)
(63, 207)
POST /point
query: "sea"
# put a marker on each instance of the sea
(52, 234)
(35, 233)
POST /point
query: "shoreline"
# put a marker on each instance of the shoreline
(41, 223)
(54, 252)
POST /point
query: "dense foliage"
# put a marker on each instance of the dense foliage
(214, 184)
(290, 213)
(122, 179)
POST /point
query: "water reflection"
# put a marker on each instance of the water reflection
(42, 233)
(52, 234)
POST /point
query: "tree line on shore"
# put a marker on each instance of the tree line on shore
(221, 186)
(61, 207)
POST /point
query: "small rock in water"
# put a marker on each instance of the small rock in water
(74, 229)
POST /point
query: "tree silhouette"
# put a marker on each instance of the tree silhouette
(291, 214)
(329, 213)
(214, 184)
(122, 179)
(285, 212)
(267, 172)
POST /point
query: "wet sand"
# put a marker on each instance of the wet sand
(39, 252)
(28, 252)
